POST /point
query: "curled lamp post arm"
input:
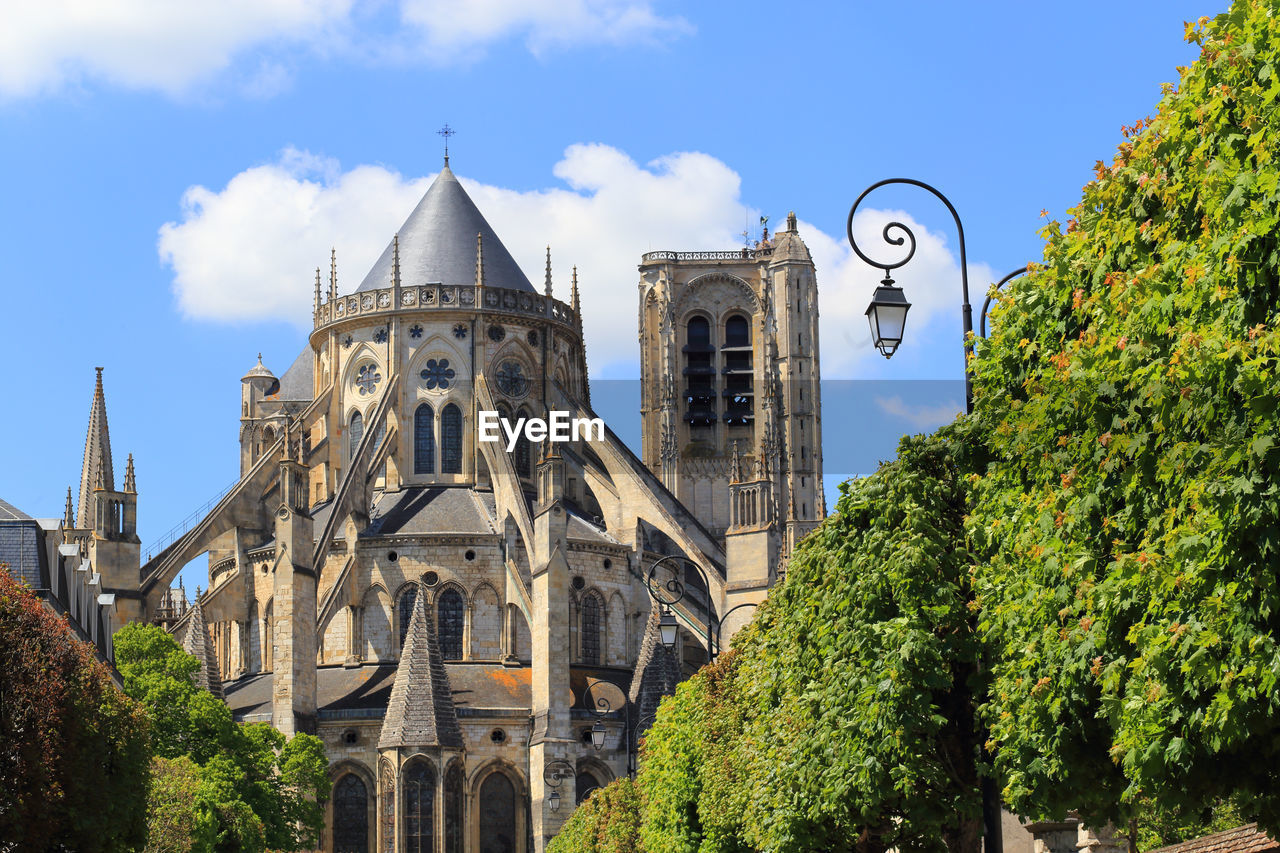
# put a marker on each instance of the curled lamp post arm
(986, 303)
(557, 771)
(723, 619)
(675, 590)
(965, 308)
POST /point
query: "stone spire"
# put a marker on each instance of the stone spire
(199, 646)
(69, 517)
(316, 308)
(735, 465)
(420, 711)
(333, 274)
(656, 675)
(130, 481)
(395, 261)
(577, 322)
(546, 287)
(96, 472)
(479, 259)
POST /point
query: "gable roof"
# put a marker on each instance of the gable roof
(438, 244)
(420, 711)
(1243, 839)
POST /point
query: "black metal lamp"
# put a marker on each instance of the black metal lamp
(597, 735)
(554, 799)
(667, 627)
(887, 315)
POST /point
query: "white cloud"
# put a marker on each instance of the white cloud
(450, 28)
(924, 418)
(250, 250)
(170, 46)
(148, 44)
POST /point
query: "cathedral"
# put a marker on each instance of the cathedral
(480, 633)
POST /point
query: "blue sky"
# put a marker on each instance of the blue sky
(173, 174)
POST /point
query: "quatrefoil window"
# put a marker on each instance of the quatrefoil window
(367, 379)
(380, 336)
(415, 332)
(438, 374)
(511, 379)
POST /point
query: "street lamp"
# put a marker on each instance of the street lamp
(598, 731)
(887, 313)
(553, 774)
(667, 627)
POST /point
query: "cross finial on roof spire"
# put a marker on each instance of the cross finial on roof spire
(446, 132)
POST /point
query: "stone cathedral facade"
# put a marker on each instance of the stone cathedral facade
(452, 619)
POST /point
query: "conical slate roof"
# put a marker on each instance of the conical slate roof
(438, 243)
(97, 457)
(199, 646)
(420, 711)
(657, 673)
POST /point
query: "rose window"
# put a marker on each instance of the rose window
(367, 379)
(438, 374)
(511, 379)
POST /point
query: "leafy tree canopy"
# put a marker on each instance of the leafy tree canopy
(1129, 530)
(264, 792)
(73, 747)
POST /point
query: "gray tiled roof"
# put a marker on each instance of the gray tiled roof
(657, 673)
(476, 687)
(420, 711)
(438, 244)
(20, 546)
(430, 509)
(198, 645)
(298, 381)
(9, 512)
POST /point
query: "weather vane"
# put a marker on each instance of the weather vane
(446, 132)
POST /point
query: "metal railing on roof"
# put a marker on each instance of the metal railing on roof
(174, 533)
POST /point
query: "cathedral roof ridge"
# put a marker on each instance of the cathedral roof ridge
(437, 243)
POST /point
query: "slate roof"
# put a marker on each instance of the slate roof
(420, 711)
(1242, 839)
(298, 381)
(429, 509)
(342, 690)
(198, 645)
(657, 674)
(438, 243)
(20, 548)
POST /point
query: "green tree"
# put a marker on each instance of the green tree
(859, 682)
(608, 821)
(1129, 529)
(264, 792)
(181, 815)
(70, 740)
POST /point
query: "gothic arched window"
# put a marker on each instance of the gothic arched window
(590, 629)
(454, 800)
(497, 819)
(450, 616)
(419, 806)
(350, 815)
(584, 784)
(739, 372)
(424, 440)
(354, 433)
(404, 609)
(451, 440)
(700, 374)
